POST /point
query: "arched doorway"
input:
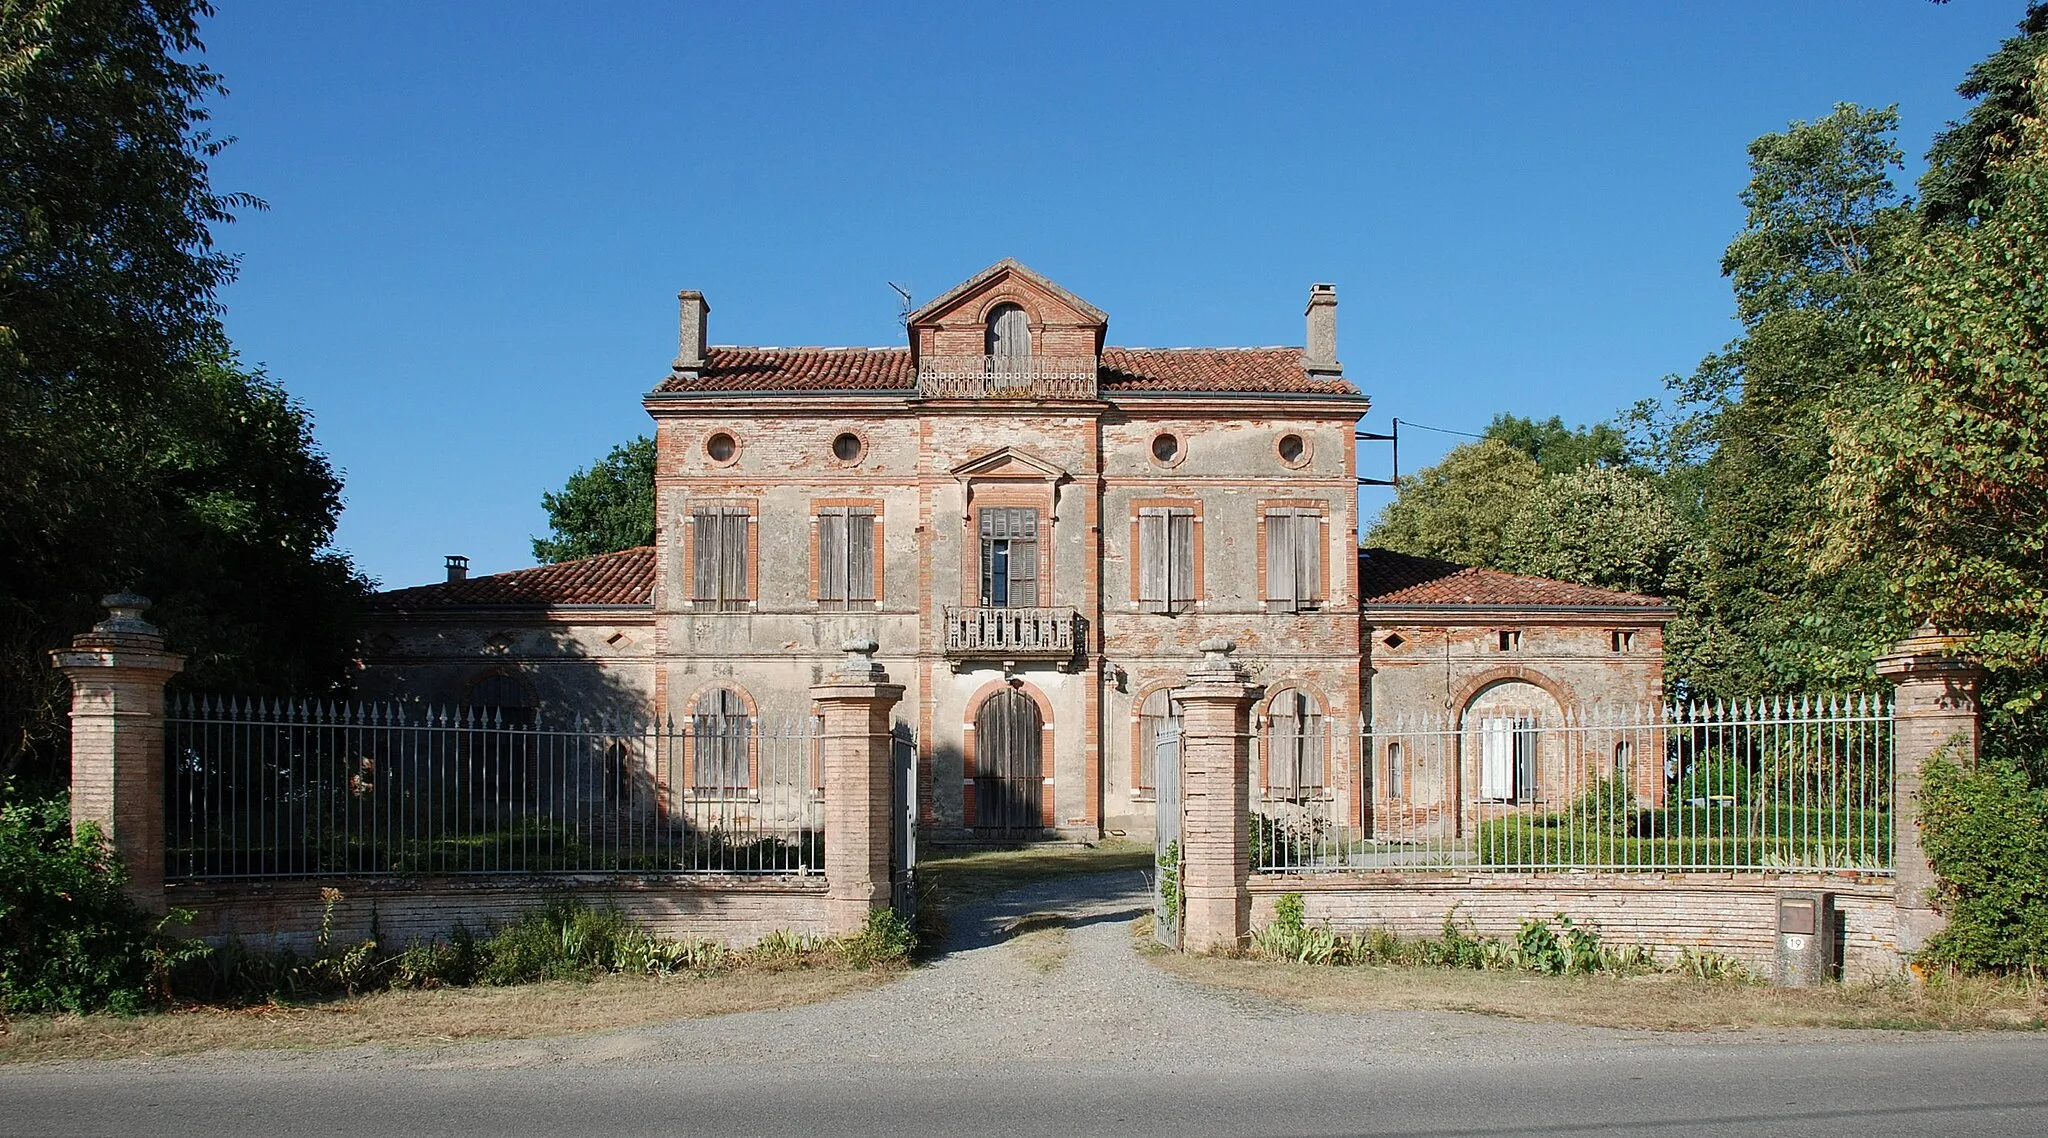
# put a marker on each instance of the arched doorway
(1513, 726)
(1009, 769)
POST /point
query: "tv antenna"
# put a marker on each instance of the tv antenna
(903, 317)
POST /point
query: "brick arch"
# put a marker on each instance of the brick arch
(1333, 772)
(1557, 689)
(1001, 297)
(518, 678)
(971, 748)
(706, 688)
(1138, 699)
(689, 733)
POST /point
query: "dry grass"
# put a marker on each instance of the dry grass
(1660, 1002)
(434, 1018)
(1042, 939)
(962, 878)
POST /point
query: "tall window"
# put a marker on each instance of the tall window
(1166, 559)
(1397, 772)
(1158, 714)
(1009, 336)
(1507, 759)
(719, 734)
(846, 557)
(1009, 556)
(1294, 745)
(1294, 559)
(719, 552)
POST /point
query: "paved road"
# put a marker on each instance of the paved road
(988, 1041)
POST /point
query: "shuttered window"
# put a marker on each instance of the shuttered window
(719, 552)
(1158, 714)
(1295, 741)
(1166, 559)
(1009, 337)
(721, 757)
(1009, 556)
(846, 557)
(1294, 559)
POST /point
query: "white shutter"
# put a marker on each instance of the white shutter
(1497, 759)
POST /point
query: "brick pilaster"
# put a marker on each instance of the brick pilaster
(117, 672)
(856, 704)
(1216, 799)
(1936, 712)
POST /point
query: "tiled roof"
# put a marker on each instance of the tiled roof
(623, 578)
(1252, 370)
(1389, 578)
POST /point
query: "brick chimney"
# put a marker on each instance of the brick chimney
(458, 567)
(1320, 357)
(690, 335)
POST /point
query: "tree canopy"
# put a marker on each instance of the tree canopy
(136, 450)
(1458, 509)
(1558, 448)
(603, 509)
(1959, 181)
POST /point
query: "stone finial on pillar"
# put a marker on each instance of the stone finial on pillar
(856, 703)
(1216, 800)
(117, 672)
(1936, 712)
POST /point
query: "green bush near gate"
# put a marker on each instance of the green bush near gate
(1986, 835)
(70, 940)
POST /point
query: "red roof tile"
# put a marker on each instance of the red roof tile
(1252, 370)
(623, 578)
(1389, 578)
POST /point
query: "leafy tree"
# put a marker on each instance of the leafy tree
(1823, 219)
(1940, 470)
(134, 449)
(604, 509)
(1959, 177)
(1458, 509)
(1558, 448)
(1596, 526)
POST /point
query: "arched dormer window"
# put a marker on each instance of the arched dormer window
(1009, 336)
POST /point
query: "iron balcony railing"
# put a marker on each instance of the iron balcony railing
(1001, 377)
(990, 633)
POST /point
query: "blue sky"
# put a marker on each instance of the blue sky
(480, 213)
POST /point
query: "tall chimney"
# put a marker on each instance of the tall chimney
(1321, 354)
(690, 336)
(458, 567)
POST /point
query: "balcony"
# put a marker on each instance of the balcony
(987, 633)
(999, 377)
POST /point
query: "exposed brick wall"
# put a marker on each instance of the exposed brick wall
(732, 912)
(1732, 914)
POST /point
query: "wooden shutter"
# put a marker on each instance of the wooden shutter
(1180, 559)
(705, 535)
(1314, 737)
(1280, 554)
(1308, 558)
(988, 556)
(1023, 558)
(860, 556)
(1283, 748)
(732, 558)
(832, 555)
(1154, 560)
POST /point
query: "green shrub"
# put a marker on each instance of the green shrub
(1715, 779)
(563, 940)
(1986, 834)
(886, 938)
(70, 939)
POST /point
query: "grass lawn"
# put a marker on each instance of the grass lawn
(957, 878)
(1661, 1001)
(432, 1018)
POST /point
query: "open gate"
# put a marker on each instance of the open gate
(903, 824)
(1167, 894)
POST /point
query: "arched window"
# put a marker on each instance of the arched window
(1294, 745)
(1622, 754)
(1159, 712)
(1009, 336)
(1397, 771)
(720, 735)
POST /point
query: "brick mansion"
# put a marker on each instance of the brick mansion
(1038, 529)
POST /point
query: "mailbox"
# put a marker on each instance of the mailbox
(1806, 939)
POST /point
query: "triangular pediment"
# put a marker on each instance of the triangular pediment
(1008, 279)
(1009, 462)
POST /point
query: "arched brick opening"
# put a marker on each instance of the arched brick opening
(971, 748)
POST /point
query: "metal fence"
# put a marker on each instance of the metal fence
(283, 789)
(1788, 784)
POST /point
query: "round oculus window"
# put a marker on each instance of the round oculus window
(1293, 449)
(1166, 447)
(847, 447)
(721, 447)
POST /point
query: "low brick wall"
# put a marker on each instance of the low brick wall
(1733, 914)
(732, 911)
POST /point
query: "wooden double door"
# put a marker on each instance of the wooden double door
(1009, 763)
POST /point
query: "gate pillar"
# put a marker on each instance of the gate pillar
(855, 705)
(1936, 712)
(1216, 793)
(117, 672)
